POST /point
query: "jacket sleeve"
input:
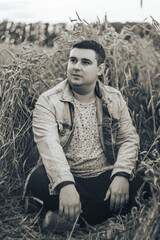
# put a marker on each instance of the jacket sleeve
(48, 143)
(127, 142)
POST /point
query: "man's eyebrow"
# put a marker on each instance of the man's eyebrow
(72, 57)
(86, 59)
(82, 59)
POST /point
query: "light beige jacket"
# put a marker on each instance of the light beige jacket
(53, 127)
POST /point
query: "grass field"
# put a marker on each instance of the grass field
(27, 70)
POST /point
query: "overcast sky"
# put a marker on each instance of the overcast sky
(55, 11)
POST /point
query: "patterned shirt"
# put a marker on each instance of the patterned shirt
(85, 154)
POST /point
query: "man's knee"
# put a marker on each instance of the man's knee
(38, 181)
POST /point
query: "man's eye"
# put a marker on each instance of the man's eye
(85, 62)
(73, 60)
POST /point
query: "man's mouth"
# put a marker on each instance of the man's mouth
(76, 75)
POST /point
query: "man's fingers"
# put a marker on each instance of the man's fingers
(77, 210)
(60, 210)
(127, 198)
(120, 202)
(117, 202)
(66, 213)
(124, 200)
(71, 214)
(107, 195)
(112, 201)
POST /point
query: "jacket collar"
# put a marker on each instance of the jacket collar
(67, 95)
(101, 91)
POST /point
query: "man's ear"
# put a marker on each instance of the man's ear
(101, 69)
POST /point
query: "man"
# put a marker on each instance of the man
(86, 140)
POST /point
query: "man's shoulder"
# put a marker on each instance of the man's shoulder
(110, 89)
(110, 92)
(58, 89)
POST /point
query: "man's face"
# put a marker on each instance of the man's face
(82, 68)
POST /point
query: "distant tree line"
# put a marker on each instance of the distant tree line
(141, 29)
(44, 34)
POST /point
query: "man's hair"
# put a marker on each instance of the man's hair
(90, 44)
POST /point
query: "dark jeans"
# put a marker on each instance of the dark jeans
(92, 192)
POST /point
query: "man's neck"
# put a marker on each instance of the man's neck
(84, 98)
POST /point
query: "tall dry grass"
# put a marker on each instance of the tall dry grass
(132, 66)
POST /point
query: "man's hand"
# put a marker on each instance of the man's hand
(118, 192)
(69, 202)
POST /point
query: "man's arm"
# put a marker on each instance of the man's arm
(53, 157)
(48, 143)
(127, 143)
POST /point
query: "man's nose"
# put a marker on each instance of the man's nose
(77, 66)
